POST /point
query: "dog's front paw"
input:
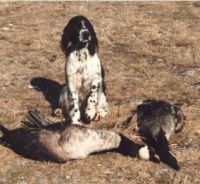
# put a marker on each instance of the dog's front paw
(90, 114)
(101, 113)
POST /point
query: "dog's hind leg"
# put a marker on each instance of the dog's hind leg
(69, 105)
(63, 101)
(63, 104)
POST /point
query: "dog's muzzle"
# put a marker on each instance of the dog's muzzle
(84, 35)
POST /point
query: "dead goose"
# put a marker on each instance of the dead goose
(157, 120)
(41, 139)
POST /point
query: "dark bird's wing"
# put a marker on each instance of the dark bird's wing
(161, 146)
(36, 120)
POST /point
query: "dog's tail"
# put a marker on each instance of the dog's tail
(162, 149)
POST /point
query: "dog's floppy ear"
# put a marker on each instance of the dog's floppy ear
(93, 45)
(66, 40)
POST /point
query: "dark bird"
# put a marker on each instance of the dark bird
(41, 139)
(157, 120)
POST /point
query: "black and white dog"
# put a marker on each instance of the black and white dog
(84, 93)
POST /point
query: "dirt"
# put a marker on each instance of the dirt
(148, 50)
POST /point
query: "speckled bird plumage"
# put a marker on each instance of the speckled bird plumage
(44, 140)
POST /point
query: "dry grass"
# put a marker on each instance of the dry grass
(149, 50)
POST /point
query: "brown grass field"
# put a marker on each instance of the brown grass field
(148, 50)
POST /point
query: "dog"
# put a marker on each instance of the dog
(157, 121)
(84, 94)
(44, 140)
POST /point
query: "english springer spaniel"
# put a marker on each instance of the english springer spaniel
(84, 93)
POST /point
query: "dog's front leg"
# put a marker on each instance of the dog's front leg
(90, 111)
(102, 105)
(74, 111)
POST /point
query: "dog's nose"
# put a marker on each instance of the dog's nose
(86, 35)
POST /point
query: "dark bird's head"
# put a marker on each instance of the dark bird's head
(180, 118)
(77, 34)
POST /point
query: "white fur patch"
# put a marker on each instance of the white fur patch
(82, 61)
(83, 24)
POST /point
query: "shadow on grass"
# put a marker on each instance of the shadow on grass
(50, 89)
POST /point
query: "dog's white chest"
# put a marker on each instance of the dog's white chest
(82, 64)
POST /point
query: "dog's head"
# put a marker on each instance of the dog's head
(77, 34)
